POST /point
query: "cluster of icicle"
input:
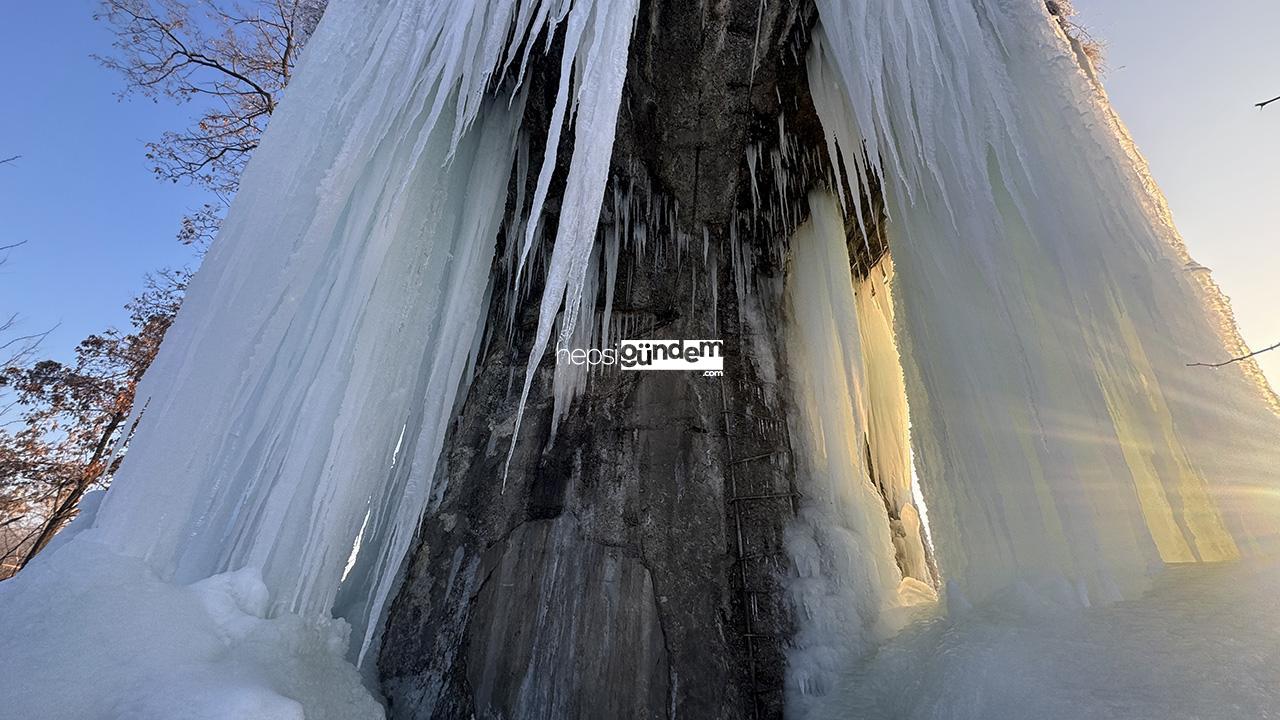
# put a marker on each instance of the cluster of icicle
(298, 407)
(858, 565)
(637, 222)
(643, 225)
(1045, 310)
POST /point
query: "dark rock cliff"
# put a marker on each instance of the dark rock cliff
(631, 567)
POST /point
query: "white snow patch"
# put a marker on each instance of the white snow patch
(1201, 644)
(94, 635)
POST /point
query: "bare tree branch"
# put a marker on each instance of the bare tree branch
(232, 56)
(27, 342)
(1235, 359)
(19, 348)
(1265, 103)
(236, 58)
(73, 414)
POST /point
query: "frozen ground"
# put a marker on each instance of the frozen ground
(1203, 643)
(91, 635)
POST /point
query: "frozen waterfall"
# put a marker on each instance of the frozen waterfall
(301, 401)
(1045, 316)
(289, 430)
(1028, 359)
(1044, 310)
(852, 588)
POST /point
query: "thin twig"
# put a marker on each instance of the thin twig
(33, 338)
(1265, 103)
(1234, 360)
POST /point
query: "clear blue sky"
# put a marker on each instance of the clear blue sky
(82, 196)
(1184, 75)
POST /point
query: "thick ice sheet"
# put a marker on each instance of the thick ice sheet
(309, 378)
(1046, 310)
(300, 403)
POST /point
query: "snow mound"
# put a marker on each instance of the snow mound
(1201, 644)
(126, 644)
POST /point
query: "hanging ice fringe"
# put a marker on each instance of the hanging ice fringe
(1044, 308)
(295, 415)
(299, 406)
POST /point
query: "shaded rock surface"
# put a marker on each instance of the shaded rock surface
(603, 577)
(618, 572)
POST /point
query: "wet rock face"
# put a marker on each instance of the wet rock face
(534, 599)
(605, 579)
(599, 578)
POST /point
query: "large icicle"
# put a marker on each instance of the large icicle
(336, 311)
(888, 447)
(841, 544)
(1044, 311)
(600, 74)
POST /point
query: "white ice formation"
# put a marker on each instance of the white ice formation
(1043, 311)
(294, 417)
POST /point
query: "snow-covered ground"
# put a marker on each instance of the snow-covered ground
(89, 634)
(1203, 643)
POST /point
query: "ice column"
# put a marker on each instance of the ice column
(846, 572)
(1045, 309)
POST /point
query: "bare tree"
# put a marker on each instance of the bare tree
(16, 351)
(72, 415)
(231, 58)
